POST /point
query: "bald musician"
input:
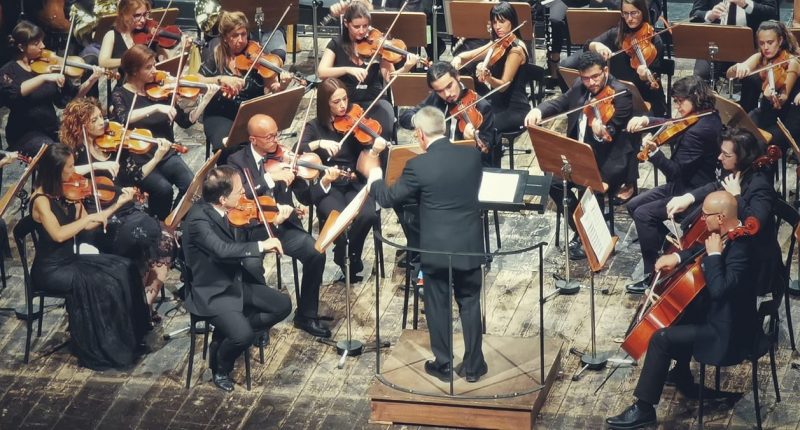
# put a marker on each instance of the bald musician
(717, 328)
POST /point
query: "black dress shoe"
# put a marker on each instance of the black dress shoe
(632, 418)
(312, 327)
(576, 251)
(439, 371)
(472, 376)
(638, 287)
(261, 340)
(223, 382)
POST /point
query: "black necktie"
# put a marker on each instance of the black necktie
(262, 164)
(731, 14)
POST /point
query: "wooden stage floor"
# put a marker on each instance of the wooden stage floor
(299, 386)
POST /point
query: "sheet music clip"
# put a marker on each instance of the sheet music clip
(361, 86)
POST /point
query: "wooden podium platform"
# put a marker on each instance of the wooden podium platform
(513, 367)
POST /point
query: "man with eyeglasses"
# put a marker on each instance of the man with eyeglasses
(279, 181)
(694, 149)
(610, 141)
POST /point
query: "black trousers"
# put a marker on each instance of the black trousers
(766, 118)
(557, 194)
(234, 331)
(467, 289)
(337, 199)
(158, 184)
(669, 343)
(649, 210)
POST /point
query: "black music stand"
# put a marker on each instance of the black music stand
(571, 161)
(584, 24)
(713, 43)
(464, 19)
(410, 89)
(280, 106)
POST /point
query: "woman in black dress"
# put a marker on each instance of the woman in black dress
(132, 16)
(107, 313)
(132, 233)
(32, 121)
(138, 63)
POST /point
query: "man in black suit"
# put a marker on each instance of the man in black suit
(692, 164)
(445, 180)
(237, 309)
(610, 142)
(720, 325)
(280, 182)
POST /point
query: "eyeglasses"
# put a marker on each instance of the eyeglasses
(726, 154)
(141, 15)
(634, 14)
(594, 77)
(269, 137)
(704, 215)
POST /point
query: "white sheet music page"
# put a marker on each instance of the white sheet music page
(594, 225)
(498, 187)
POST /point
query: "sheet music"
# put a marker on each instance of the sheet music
(498, 187)
(594, 224)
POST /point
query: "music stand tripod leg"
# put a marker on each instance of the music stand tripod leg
(566, 286)
(591, 361)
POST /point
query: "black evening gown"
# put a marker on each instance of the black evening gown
(105, 300)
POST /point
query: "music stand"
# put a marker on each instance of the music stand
(171, 65)
(584, 24)
(400, 154)
(106, 22)
(281, 107)
(410, 27)
(270, 10)
(463, 19)
(410, 89)
(731, 113)
(712, 43)
(598, 244)
(16, 190)
(639, 105)
(182, 208)
(572, 161)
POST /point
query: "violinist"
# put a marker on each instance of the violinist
(606, 136)
(447, 92)
(334, 194)
(32, 98)
(694, 151)
(273, 176)
(341, 60)
(509, 104)
(219, 66)
(93, 284)
(717, 328)
(138, 63)
(781, 94)
(238, 308)
(134, 234)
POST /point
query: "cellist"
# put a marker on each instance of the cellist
(717, 328)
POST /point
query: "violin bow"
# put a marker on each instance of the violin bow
(249, 178)
(160, 21)
(69, 38)
(673, 121)
(770, 66)
(125, 129)
(493, 44)
(177, 79)
(364, 115)
(302, 131)
(264, 45)
(91, 174)
(593, 102)
(385, 36)
(476, 101)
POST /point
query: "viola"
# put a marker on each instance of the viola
(307, 165)
(268, 66)
(774, 78)
(137, 141)
(367, 129)
(642, 51)
(682, 286)
(393, 50)
(603, 110)
(78, 188)
(164, 84)
(49, 62)
(246, 211)
(669, 131)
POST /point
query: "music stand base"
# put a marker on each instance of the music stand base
(794, 288)
(598, 362)
(353, 348)
(567, 287)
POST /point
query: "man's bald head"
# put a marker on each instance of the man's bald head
(260, 125)
(721, 211)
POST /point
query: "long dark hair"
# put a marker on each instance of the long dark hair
(696, 90)
(643, 6)
(324, 93)
(48, 173)
(789, 43)
(746, 147)
(504, 12)
(23, 34)
(355, 10)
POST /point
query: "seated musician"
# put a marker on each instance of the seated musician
(509, 104)
(694, 158)
(32, 98)
(274, 176)
(134, 234)
(781, 94)
(752, 185)
(445, 179)
(608, 140)
(320, 136)
(219, 66)
(717, 328)
(237, 309)
(138, 63)
(132, 15)
(448, 91)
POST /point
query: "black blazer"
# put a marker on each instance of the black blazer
(445, 180)
(694, 154)
(214, 259)
(243, 159)
(725, 337)
(612, 158)
(763, 10)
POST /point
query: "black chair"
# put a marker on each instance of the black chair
(25, 227)
(788, 214)
(534, 76)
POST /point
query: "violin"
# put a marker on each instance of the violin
(49, 62)
(268, 66)
(774, 78)
(164, 84)
(20, 157)
(367, 130)
(246, 211)
(668, 131)
(603, 110)
(470, 115)
(78, 188)
(640, 48)
(682, 286)
(307, 165)
(500, 48)
(393, 50)
(137, 141)
(166, 36)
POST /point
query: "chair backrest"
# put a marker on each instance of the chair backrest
(788, 214)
